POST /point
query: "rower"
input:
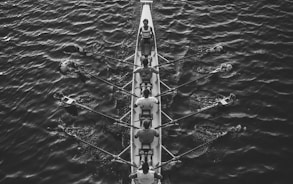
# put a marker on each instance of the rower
(146, 175)
(146, 104)
(146, 34)
(145, 73)
(146, 137)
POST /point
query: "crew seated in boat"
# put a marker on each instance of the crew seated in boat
(146, 102)
(145, 175)
(146, 34)
(146, 136)
(145, 72)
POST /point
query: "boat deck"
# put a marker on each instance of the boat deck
(156, 110)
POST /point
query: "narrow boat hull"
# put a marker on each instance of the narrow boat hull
(156, 110)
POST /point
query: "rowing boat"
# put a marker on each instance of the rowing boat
(137, 150)
(156, 110)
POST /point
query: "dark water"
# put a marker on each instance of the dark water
(35, 36)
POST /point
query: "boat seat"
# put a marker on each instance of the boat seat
(145, 114)
(146, 85)
(145, 150)
(146, 153)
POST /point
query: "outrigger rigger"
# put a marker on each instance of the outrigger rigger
(147, 154)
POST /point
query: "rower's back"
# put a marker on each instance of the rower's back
(146, 102)
(146, 136)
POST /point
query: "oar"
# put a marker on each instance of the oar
(197, 55)
(111, 84)
(118, 60)
(70, 101)
(127, 125)
(175, 61)
(181, 85)
(220, 69)
(174, 122)
(176, 158)
(220, 101)
(115, 157)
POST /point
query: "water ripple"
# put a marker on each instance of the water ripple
(37, 35)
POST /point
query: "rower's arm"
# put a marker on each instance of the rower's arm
(155, 100)
(157, 134)
(133, 176)
(158, 176)
(137, 103)
(155, 71)
(136, 135)
(140, 30)
(152, 33)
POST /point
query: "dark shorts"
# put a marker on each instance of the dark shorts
(146, 40)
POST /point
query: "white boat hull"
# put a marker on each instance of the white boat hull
(156, 110)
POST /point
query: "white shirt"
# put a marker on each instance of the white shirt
(146, 103)
(148, 178)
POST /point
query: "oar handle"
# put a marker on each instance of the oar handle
(121, 160)
(166, 92)
(174, 159)
(171, 123)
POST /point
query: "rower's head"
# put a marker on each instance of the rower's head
(145, 22)
(146, 93)
(145, 62)
(145, 167)
(146, 123)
